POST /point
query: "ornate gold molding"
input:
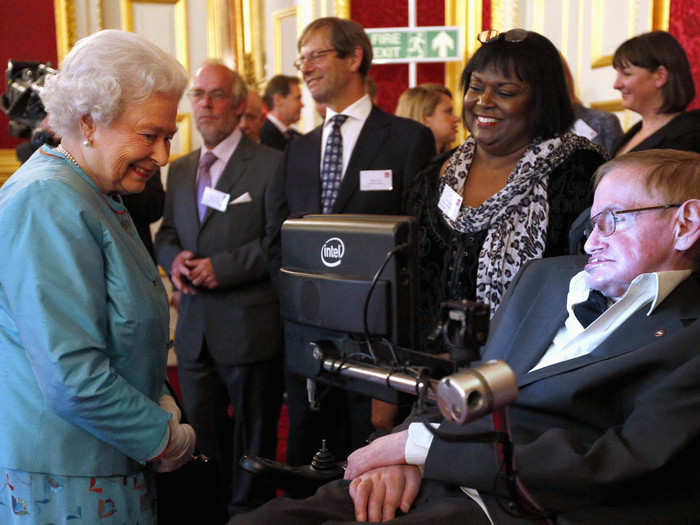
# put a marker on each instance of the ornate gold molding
(342, 8)
(661, 12)
(66, 28)
(257, 43)
(470, 21)
(8, 164)
(659, 16)
(181, 34)
(220, 42)
(184, 123)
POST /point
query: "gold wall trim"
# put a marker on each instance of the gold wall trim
(66, 27)
(611, 106)
(184, 127)
(239, 32)
(470, 21)
(8, 164)
(181, 34)
(661, 12)
(597, 57)
(277, 17)
(219, 25)
(342, 8)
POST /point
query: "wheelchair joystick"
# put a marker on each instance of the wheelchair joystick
(324, 458)
(323, 468)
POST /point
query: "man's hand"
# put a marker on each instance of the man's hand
(379, 493)
(382, 452)
(180, 273)
(202, 273)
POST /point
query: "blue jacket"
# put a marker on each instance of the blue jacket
(83, 328)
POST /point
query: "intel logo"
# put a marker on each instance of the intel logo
(332, 252)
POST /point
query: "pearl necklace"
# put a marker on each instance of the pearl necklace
(65, 153)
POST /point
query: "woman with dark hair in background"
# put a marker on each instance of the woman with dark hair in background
(509, 193)
(654, 79)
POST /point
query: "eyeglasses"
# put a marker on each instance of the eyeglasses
(216, 95)
(514, 35)
(606, 220)
(312, 57)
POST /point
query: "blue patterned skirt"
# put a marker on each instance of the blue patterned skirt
(28, 498)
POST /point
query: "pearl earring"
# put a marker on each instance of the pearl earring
(87, 143)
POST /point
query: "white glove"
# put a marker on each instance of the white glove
(168, 403)
(179, 450)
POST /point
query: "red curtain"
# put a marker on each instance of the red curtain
(25, 34)
(392, 79)
(684, 24)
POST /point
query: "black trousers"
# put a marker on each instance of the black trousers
(255, 393)
(436, 503)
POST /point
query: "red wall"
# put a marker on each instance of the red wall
(392, 79)
(27, 32)
(684, 24)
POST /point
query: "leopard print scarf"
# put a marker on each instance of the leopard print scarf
(516, 217)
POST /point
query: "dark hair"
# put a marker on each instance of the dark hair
(345, 36)
(278, 85)
(659, 48)
(536, 62)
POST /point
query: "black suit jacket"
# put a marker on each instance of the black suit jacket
(241, 317)
(270, 135)
(385, 142)
(609, 437)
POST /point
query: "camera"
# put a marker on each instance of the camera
(25, 111)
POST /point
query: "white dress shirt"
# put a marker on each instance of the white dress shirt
(357, 113)
(223, 151)
(278, 123)
(572, 340)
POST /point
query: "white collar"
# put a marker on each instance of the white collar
(278, 123)
(224, 149)
(655, 286)
(360, 110)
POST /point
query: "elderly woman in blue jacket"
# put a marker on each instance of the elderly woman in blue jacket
(83, 313)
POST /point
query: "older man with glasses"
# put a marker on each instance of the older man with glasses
(212, 243)
(605, 351)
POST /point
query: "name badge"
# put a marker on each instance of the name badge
(376, 180)
(450, 202)
(582, 129)
(215, 199)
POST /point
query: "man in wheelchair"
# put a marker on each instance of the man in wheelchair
(606, 426)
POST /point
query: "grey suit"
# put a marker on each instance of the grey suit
(228, 340)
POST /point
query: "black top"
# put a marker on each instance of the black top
(682, 132)
(448, 259)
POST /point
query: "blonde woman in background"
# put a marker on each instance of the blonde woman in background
(431, 105)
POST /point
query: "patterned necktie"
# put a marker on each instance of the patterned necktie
(332, 165)
(204, 180)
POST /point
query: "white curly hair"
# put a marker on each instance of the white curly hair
(105, 71)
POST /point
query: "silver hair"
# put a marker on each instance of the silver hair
(105, 71)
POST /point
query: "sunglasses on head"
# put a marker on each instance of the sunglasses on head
(514, 35)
